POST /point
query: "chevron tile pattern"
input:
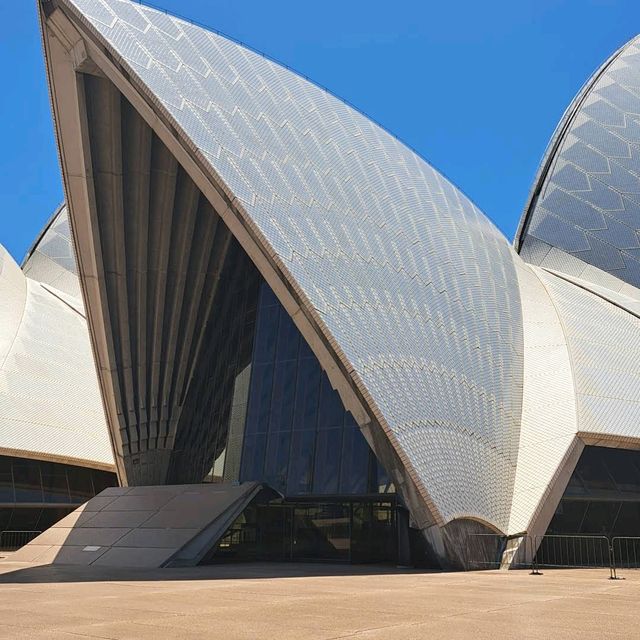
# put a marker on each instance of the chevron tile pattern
(51, 259)
(588, 189)
(408, 277)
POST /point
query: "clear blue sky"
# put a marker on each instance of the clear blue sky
(477, 87)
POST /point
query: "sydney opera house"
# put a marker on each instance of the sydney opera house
(292, 338)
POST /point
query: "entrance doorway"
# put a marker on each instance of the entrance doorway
(349, 531)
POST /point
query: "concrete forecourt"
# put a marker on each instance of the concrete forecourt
(315, 602)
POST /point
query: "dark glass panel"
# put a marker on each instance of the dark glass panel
(288, 338)
(301, 463)
(600, 517)
(307, 395)
(6, 484)
(628, 520)
(322, 531)
(355, 463)
(621, 467)
(49, 516)
(102, 480)
(267, 297)
(575, 487)
(80, 484)
(330, 410)
(373, 533)
(5, 518)
(326, 475)
(253, 457)
(25, 519)
(267, 332)
(305, 350)
(282, 398)
(593, 472)
(27, 481)
(349, 420)
(568, 517)
(277, 460)
(289, 391)
(260, 398)
(54, 482)
(383, 481)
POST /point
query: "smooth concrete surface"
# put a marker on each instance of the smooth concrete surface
(320, 602)
(141, 526)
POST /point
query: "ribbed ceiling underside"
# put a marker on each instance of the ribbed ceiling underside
(162, 249)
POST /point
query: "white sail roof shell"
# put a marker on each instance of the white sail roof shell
(414, 285)
(50, 403)
(584, 207)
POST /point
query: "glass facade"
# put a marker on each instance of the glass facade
(260, 408)
(337, 531)
(602, 496)
(35, 494)
(215, 407)
(298, 437)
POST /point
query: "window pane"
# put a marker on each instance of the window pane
(301, 464)
(628, 522)
(49, 516)
(5, 518)
(6, 486)
(331, 410)
(260, 398)
(102, 480)
(253, 457)
(568, 517)
(54, 483)
(277, 460)
(307, 394)
(600, 517)
(80, 484)
(283, 396)
(267, 297)
(266, 335)
(305, 350)
(620, 465)
(355, 463)
(327, 463)
(25, 519)
(593, 472)
(26, 477)
(288, 338)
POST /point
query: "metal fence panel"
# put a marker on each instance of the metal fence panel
(626, 552)
(483, 551)
(566, 551)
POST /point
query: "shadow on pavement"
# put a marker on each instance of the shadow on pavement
(19, 573)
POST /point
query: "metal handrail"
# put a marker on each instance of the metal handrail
(13, 540)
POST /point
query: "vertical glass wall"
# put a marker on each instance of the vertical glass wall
(602, 496)
(336, 531)
(215, 408)
(298, 436)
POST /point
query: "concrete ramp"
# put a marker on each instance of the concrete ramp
(142, 526)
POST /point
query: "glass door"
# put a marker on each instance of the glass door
(321, 532)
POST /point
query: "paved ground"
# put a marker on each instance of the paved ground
(280, 601)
